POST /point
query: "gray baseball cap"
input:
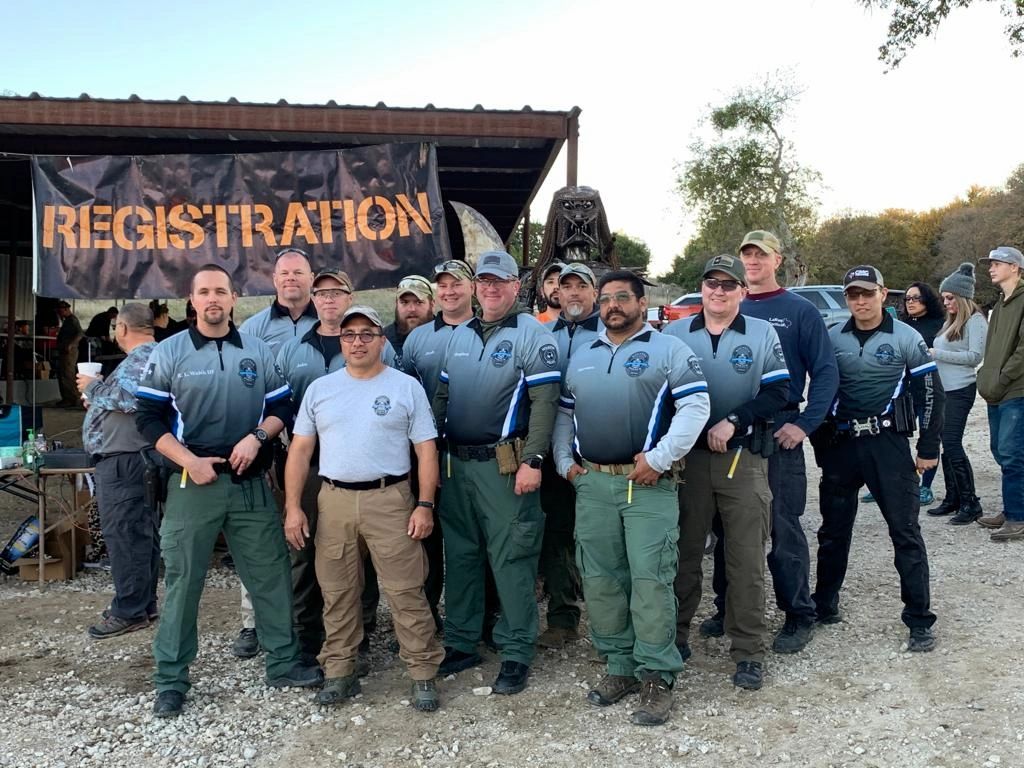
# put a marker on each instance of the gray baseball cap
(363, 311)
(497, 263)
(1004, 253)
(581, 270)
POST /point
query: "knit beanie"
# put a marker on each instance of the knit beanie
(960, 282)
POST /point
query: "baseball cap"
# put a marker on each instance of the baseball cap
(582, 271)
(497, 263)
(554, 266)
(63, 305)
(863, 276)
(1004, 253)
(763, 239)
(335, 274)
(363, 311)
(731, 265)
(418, 286)
(457, 268)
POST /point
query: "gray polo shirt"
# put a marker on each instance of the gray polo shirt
(210, 393)
(872, 376)
(488, 382)
(645, 395)
(275, 325)
(749, 357)
(571, 336)
(423, 352)
(365, 426)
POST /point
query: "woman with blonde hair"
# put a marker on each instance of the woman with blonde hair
(958, 351)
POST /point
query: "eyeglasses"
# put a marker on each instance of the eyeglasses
(912, 299)
(713, 284)
(367, 337)
(332, 293)
(493, 282)
(619, 297)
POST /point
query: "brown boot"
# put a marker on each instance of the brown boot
(1010, 531)
(611, 689)
(655, 701)
(992, 521)
(557, 637)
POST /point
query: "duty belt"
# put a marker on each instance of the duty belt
(472, 452)
(868, 427)
(367, 485)
(610, 469)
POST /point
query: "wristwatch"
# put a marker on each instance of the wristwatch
(733, 419)
(261, 435)
(534, 462)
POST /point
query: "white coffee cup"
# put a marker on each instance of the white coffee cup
(90, 369)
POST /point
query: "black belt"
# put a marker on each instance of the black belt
(867, 427)
(473, 452)
(367, 485)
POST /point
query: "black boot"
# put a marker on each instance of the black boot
(951, 503)
(970, 505)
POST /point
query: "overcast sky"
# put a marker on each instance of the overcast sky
(642, 72)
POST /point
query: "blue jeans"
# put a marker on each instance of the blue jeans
(1006, 436)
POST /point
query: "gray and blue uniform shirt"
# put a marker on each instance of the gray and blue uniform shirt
(275, 325)
(646, 394)
(873, 374)
(571, 336)
(423, 352)
(746, 372)
(109, 425)
(210, 393)
(486, 383)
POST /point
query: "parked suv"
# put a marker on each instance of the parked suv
(830, 302)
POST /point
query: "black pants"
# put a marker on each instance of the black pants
(131, 529)
(885, 464)
(958, 407)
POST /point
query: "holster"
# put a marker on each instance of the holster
(154, 478)
(509, 455)
(762, 438)
(903, 414)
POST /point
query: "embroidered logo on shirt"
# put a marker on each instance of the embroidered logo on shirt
(742, 358)
(503, 354)
(637, 363)
(886, 355)
(779, 354)
(694, 365)
(382, 405)
(549, 355)
(247, 372)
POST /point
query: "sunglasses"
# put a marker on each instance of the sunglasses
(713, 284)
(912, 299)
(453, 266)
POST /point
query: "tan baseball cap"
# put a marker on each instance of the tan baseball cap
(334, 274)
(763, 239)
(418, 286)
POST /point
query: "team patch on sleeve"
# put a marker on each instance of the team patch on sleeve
(549, 355)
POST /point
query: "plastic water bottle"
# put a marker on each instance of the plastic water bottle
(29, 452)
(41, 443)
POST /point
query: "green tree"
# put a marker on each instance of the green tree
(515, 243)
(633, 252)
(747, 176)
(685, 272)
(914, 19)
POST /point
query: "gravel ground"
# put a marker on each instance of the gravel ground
(855, 697)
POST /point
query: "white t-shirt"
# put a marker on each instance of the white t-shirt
(365, 426)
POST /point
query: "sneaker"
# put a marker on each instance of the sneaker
(247, 644)
(168, 704)
(112, 626)
(926, 496)
(611, 689)
(867, 498)
(424, 695)
(749, 675)
(655, 701)
(794, 636)
(153, 616)
(511, 678)
(299, 676)
(921, 640)
(557, 637)
(713, 626)
(1010, 531)
(992, 521)
(456, 661)
(337, 689)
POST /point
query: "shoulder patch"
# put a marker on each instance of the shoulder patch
(779, 354)
(923, 346)
(694, 365)
(549, 355)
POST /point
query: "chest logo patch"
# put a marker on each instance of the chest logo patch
(742, 358)
(637, 363)
(382, 405)
(503, 354)
(247, 372)
(885, 354)
(549, 355)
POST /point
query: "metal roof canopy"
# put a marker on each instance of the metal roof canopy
(493, 160)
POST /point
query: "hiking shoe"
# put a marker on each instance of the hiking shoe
(153, 616)
(168, 704)
(611, 689)
(992, 521)
(511, 678)
(867, 498)
(1010, 531)
(337, 689)
(655, 701)
(713, 626)
(112, 626)
(965, 516)
(749, 675)
(424, 695)
(926, 496)
(921, 640)
(557, 637)
(456, 661)
(299, 676)
(794, 636)
(247, 644)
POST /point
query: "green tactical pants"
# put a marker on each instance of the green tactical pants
(627, 553)
(484, 521)
(557, 555)
(193, 517)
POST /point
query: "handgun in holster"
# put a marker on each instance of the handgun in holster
(903, 414)
(154, 478)
(762, 438)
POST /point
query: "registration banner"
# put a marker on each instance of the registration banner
(139, 226)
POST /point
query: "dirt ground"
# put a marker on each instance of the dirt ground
(854, 697)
